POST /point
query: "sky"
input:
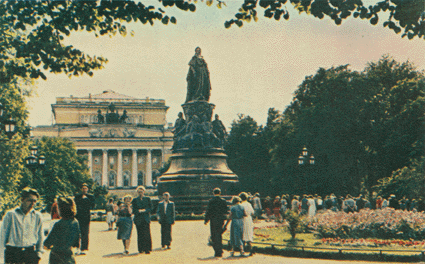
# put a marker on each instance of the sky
(252, 68)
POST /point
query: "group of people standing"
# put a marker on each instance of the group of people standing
(241, 228)
(21, 232)
(138, 211)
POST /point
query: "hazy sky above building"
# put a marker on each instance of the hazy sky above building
(252, 68)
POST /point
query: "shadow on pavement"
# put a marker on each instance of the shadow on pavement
(119, 255)
(206, 259)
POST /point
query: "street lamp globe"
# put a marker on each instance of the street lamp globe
(41, 160)
(301, 160)
(34, 150)
(312, 159)
(31, 161)
(305, 152)
(10, 127)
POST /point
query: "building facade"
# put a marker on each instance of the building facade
(126, 139)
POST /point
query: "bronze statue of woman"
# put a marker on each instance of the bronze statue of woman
(198, 79)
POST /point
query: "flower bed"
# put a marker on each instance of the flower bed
(382, 224)
(350, 242)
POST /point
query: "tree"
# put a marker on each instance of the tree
(408, 181)
(64, 172)
(360, 125)
(248, 156)
(404, 14)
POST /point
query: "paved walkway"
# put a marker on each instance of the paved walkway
(189, 246)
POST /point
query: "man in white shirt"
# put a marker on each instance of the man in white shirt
(21, 231)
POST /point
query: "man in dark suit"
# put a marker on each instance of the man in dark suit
(166, 217)
(216, 214)
(84, 203)
(142, 207)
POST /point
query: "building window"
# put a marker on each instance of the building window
(112, 177)
(96, 160)
(140, 178)
(126, 178)
(141, 160)
(111, 160)
(97, 177)
(155, 160)
(126, 160)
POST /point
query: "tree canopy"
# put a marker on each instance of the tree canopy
(360, 127)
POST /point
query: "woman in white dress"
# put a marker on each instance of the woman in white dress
(248, 224)
(311, 206)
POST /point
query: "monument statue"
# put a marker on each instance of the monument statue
(218, 128)
(198, 79)
(100, 118)
(112, 117)
(124, 117)
(198, 163)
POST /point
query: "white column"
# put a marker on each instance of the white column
(105, 168)
(90, 162)
(148, 177)
(119, 170)
(134, 170)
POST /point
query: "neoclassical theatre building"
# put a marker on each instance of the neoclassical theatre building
(126, 139)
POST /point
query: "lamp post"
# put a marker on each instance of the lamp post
(35, 161)
(9, 124)
(305, 161)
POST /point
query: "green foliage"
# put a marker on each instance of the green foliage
(408, 181)
(360, 126)
(407, 15)
(293, 219)
(248, 154)
(64, 172)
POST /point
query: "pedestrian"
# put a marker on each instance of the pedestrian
(216, 215)
(65, 234)
(54, 213)
(350, 204)
(125, 223)
(84, 202)
(248, 225)
(258, 209)
(237, 213)
(295, 204)
(304, 205)
(21, 231)
(276, 208)
(311, 206)
(166, 216)
(268, 206)
(142, 208)
(116, 206)
(110, 213)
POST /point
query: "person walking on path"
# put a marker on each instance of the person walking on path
(125, 223)
(21, 231)
(237, 213)
(64, 235)
(216, 215)
(110, 213)
(258, 209)
(84, 202)
(248, 224)
(142, 207)
(166, 216)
